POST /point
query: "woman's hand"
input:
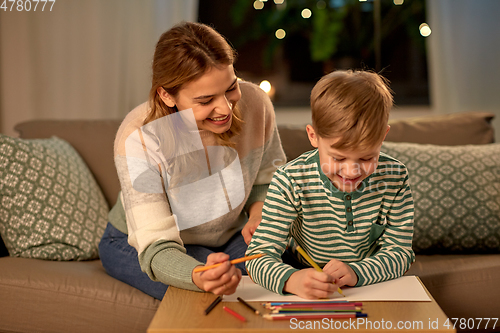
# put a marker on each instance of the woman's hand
(310, 284)
(254, 218)
(249, 228)
(221, 280)
(343, 274)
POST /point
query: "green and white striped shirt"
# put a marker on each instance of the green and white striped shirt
(370, 229)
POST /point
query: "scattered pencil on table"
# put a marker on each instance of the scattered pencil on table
(313, 310)
(234, 313)
(336, 305)
(234, 261)
(313, 316)
(242, 301)
(269, 305)
(325, 306)
(214, 303)
(313, 264)
(319, 309)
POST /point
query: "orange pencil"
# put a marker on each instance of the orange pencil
(235, 261)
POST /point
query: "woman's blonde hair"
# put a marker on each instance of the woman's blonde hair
(183, 54)
(353, 106)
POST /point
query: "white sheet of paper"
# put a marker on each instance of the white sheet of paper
(405, 288)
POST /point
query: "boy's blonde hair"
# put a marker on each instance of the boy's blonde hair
(353, 106)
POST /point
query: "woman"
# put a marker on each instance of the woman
(194, 164)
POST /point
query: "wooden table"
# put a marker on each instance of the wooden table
(183, 311)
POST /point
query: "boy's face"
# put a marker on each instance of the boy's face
(345, 168)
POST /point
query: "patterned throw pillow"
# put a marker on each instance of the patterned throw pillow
(456, 191)
(50, 205)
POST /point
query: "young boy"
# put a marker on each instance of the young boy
(348, 205)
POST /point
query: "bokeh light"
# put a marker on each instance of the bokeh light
(425, 30)
(266, 86)
(306, 13)
(257, 4)
(280, 33)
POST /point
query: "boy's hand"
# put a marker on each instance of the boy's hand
(343, 274)
(310, 284)
(221, 280)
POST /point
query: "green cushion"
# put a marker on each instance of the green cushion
(50, 205)
(456, 191)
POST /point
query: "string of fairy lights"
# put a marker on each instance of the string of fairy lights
(307, 13)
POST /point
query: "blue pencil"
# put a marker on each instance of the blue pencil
(304, 303)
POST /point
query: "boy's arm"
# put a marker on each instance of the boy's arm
(395, 254)
(272, 234)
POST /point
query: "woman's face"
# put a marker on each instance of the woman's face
(212, 98)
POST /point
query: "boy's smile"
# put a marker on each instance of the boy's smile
(346, 169)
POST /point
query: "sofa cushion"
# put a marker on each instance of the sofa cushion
(92, 139)
(71, 296)
(454, 129)
(456, 191)
(464, 285)
(465, 128)
(294, 141)
(50, 205)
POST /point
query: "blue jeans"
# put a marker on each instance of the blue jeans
(120, 260)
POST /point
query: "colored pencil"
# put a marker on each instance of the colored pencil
(313, 316)
(332, 305)
(320, 306)
(233, 313)
(313, 264)
(340, 302)
(306, 313)
(235, 261)
(347, 309)
(242, 301)
(214, 303)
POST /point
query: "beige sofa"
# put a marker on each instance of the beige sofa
(78, 296)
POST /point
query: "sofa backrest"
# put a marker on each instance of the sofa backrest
(93, 139)
(456, 129)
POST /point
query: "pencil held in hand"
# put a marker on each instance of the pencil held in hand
(233, 262)
(313, 264)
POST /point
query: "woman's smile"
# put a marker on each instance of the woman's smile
(222, 120)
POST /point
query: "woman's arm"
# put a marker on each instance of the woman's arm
(254, 218)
